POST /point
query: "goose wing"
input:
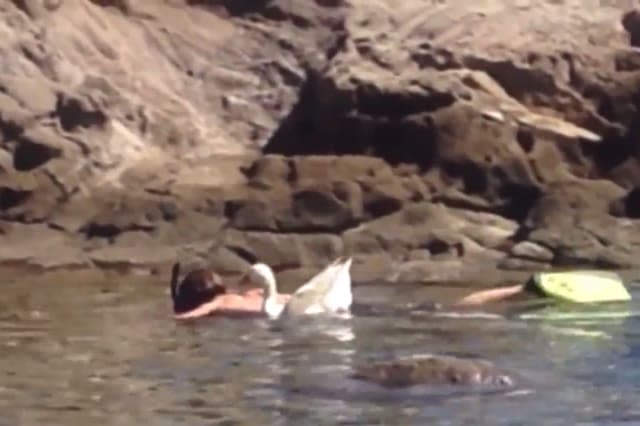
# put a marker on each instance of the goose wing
(323, 291)
(340, 296)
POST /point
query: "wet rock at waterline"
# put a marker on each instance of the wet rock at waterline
(425, 141)
(432, 370)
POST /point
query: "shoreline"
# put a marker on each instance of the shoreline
(396, 228)
(14, 271)
(438, 156)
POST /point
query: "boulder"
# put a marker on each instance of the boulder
(433, 370)
(426, 142)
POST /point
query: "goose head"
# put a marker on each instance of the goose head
(262, 275)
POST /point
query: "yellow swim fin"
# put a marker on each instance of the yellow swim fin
(582, 286)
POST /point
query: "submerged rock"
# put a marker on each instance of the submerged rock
(432, 370)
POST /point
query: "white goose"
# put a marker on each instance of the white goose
(329, 291)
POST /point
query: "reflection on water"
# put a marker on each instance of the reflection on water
(110, 354)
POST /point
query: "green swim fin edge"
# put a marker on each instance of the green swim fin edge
(583, 286)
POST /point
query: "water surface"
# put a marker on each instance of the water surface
(109, 353)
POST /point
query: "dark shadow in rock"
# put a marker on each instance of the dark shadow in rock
(378, 204)
(325, 121)
(518, 81)
(404, 141)
(169, 211)
(370, 100)
(246, 8)
(427, 56)
(474, 178)
(29, 155)
(613, 150)
(123, 5)
(9, 130)
(95, 230)
(632, 203)
(520, 200)
(437, 247)
(338, 45)
(521, 234)
(631, 23)
(10, 197)
(297, 132)
(235, 7)
(111, 230)
(526, 140)
(72, 114)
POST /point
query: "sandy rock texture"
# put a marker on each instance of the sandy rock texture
(434, 140)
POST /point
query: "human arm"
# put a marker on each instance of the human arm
(201, 311)
(258, 292)
(490, 295)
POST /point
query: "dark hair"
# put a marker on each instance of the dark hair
(196, 288)
(532, 287)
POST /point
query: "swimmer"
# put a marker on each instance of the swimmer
(202, 293)
(579, 286)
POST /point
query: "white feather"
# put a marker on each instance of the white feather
(327, 292)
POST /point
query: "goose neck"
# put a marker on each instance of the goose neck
(270, 304)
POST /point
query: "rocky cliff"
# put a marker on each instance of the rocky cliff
(437, 140)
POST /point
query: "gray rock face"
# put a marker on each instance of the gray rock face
(427, 142)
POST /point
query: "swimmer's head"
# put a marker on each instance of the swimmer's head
(197, 287)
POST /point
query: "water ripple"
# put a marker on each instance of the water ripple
(117, 357)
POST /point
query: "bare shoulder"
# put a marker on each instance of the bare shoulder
(201, 311)
(495, 294)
